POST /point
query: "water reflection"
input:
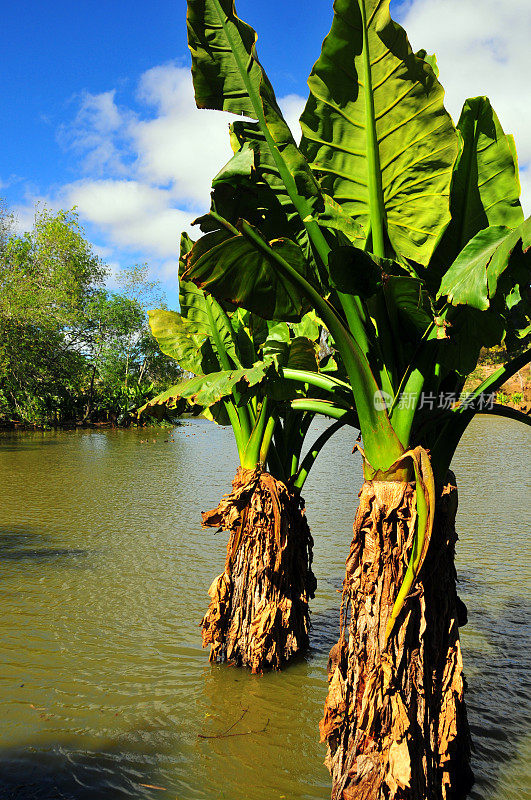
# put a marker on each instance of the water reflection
(499, 693)
(66, 771)
(27, 546)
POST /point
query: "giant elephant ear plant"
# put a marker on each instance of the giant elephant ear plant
(406, 236)
(258, 614)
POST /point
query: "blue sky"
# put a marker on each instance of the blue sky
(97, 109)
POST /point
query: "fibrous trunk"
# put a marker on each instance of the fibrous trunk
(395, 717)
(258, 615)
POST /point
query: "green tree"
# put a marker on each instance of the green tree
(68, 345)
(47, 276)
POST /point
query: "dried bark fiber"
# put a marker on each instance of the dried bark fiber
(258, 615)
(395, 717)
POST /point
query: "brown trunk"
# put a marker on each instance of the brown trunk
(258, 615)
(395, 717)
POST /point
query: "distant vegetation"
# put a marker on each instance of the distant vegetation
(71, 350)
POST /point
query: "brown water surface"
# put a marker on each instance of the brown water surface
(104, 570)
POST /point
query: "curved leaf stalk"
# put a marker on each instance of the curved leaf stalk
(374, 172)
(357, 322)
(386, 345)
(295, 430)
(417, 356)
(379, 437)
(425, 503)
(498, 378)
(276, 464)
(266, 440)
(403, 415)
(341, 390)
(242, 411)
(310, 457)
(253, 449)
(240, 439)
(510, 413)
(443, 450)
(325, 407)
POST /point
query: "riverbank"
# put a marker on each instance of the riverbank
(515, 393)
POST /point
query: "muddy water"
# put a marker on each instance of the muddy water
(105, 691)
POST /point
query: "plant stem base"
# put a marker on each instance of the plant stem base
(258, 615)
(395, 717)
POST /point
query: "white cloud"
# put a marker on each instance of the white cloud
(292, 106)
(182, 147)
(482, 48)
(24, 217)
(98, 133)
(131, 214)
(149, 169)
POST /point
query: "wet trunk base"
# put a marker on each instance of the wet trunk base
(395, 718)
(258, 615)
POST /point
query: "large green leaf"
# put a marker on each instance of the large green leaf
(179, 338)
(473, 277)
(250, 186)
(269, 185)
(376, 131)
(469, 332)
(228, 76)
(310, 326)
(206, 314)
(206, 390)
(485, 187)
(233, 269)
(303, 354)
(412, 303)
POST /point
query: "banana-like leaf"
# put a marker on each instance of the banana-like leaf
(206, 390)
(468, 333)
(376, 131)
(485, 187)
(181, 339)
(239, 166)
(270, 186)
(411, 301)
(310, 326)
(233, 269)
(473, 277)
(194, 308)
(267, 279)
(429, 59)
(297, 354)
(250, 186)
(276, 346)
(205, 313)
(217, 413)
(303, 354)
(228, 76)
(336, 218)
